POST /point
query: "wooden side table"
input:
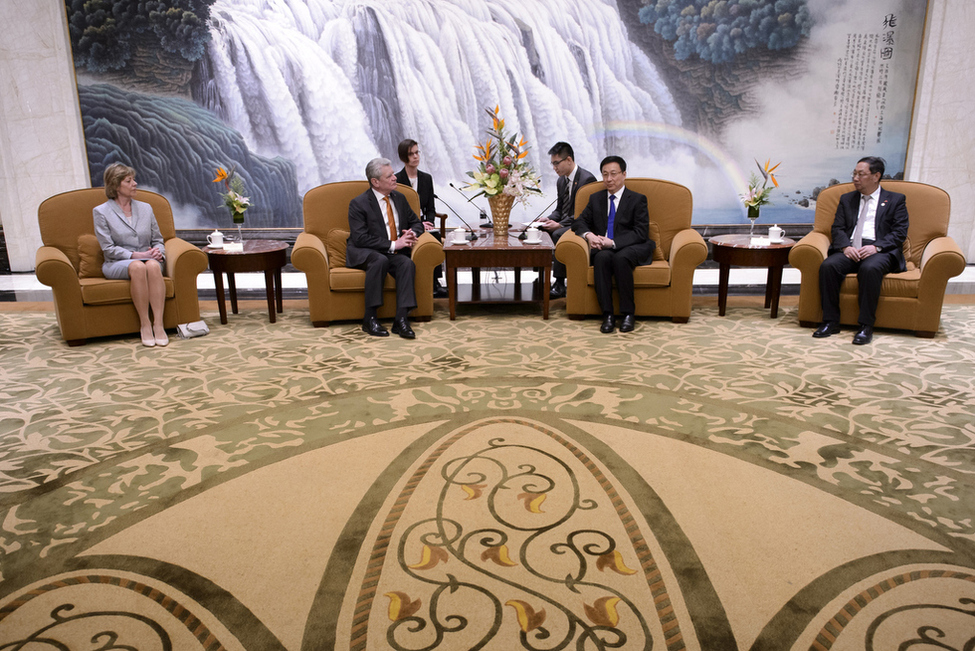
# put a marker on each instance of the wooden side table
(738, 250)
(486, 251)
(258, 255)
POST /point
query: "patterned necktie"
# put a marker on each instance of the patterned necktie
(612, 216)
(389, 217)
(563, 195)
(858, 231)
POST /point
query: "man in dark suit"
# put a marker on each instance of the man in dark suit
(868, 237)
(616, 224)
(571, 178)
(382, 231)
(411, 175)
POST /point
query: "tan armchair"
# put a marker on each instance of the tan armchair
(93, 306)
(662, 288)
(335, 292)
(908, 301)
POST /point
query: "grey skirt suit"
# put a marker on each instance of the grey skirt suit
(120, 238)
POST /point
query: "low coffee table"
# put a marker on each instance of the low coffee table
(738, 250)
(486, 251)
(258, 255)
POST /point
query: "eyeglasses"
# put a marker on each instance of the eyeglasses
(612, 175)
(861, 175)
(556, 163)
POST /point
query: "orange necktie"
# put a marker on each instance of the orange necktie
(392, 221)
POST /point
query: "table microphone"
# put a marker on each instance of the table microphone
(524, 232)
(473, 235)
(483, 215)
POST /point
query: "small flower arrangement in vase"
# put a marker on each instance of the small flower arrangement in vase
(234, 197)
(758, 196)
(502, 173)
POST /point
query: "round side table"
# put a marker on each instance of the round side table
(258, 255)
(738, 250)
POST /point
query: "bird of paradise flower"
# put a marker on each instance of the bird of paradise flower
(502, 168)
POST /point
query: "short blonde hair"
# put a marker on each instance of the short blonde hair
(114, 175)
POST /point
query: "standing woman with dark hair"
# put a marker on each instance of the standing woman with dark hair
(409, 153)
(133, 248)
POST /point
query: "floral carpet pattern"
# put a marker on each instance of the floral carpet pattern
(502, 482)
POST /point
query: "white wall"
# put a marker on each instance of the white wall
(42, 149)
(943, 131)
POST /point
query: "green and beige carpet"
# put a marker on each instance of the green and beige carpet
(501, 483)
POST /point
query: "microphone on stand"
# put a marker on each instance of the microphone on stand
(483, 214)
(473, 235)
(524, 232)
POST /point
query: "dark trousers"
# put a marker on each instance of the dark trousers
(558, 269)
(400, 266)
(870, 274)
(609, 264)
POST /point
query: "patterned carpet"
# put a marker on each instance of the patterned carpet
(502, 482)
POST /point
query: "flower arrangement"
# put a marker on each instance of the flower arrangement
(234, 197)
(759, 195)
(501, 168)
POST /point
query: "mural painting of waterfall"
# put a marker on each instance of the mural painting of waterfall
(297, 93)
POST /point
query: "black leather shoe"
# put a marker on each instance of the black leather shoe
(826, 329)
(373, 327)
(402, 328)
(558, 289)
(439, 291)
(865, 336)
(609, 324)
(628, 323)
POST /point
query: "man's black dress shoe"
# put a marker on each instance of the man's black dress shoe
(439, 291)
(609, 324)
(402, 328)
(373, 327)
(558, 289)
(865, 336)
(628, 323)
(826, 329)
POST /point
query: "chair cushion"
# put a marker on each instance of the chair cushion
(658, 251)
(90, 257)
(656, 274)
(335, 243)
(902, 285)
(352, 280)
(100, 291)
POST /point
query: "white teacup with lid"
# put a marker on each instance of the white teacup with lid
(776, 234)
(533, 235)
(459, 235)
(215, 239)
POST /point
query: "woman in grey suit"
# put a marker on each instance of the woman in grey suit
(133, 248)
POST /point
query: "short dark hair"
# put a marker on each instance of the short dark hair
(613, 159)
(876, 163)
(404, 149)
(562, 150)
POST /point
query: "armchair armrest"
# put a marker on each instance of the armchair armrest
(942, 259)
(573, 252)
(809, 252)
(55, 270)
(687, 250)
(184, 262)
(427, 253)
(309, 255)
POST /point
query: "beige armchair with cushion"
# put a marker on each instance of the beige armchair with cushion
(908, 301)
(70, 262)
(662, 288)
(335, 292)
